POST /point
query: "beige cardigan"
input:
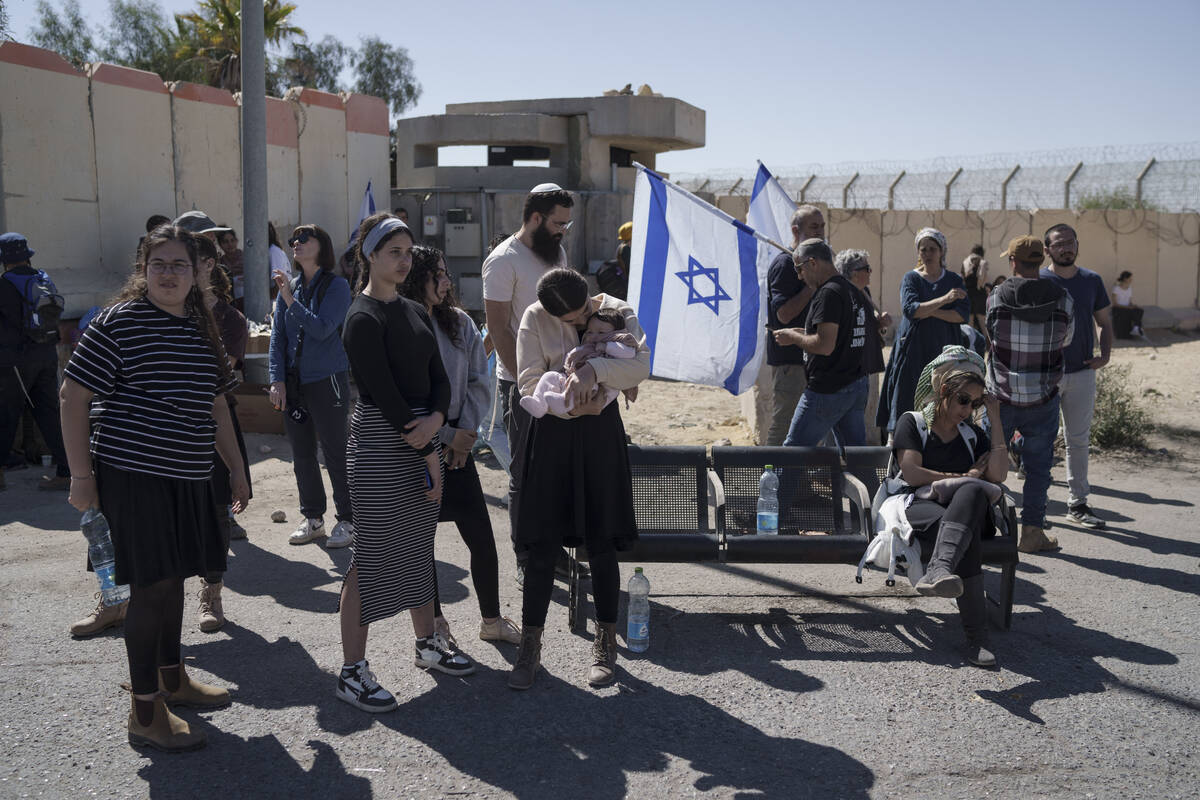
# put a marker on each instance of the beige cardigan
(544, 340)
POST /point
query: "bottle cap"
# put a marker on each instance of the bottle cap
(637, 570)
(768, 466)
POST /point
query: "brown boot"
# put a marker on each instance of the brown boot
(528, 659)
(180, 690)
(103, 618)
(212, 615)
(1034, 539)
(165, 731)
(604, 655)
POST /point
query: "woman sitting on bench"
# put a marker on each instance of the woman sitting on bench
(948, 460)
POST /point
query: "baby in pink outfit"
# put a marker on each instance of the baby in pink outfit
(604, 337)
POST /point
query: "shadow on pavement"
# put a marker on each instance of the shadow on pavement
(256, 572)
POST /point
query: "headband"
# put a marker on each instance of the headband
(382, 228)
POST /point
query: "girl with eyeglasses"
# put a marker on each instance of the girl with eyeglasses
(153, 364)
(954, 468)
(310, 381)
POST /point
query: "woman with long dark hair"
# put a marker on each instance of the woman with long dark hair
(576, 467)
(394, 464)
(154, 365)
(311, 383)
(461, 348)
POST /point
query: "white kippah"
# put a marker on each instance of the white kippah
(545, 188)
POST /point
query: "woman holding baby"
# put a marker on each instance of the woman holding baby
(953, 469)
(576, 464)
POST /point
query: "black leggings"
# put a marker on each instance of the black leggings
(539, 584)
(463, 504)
(967, 511)
(153, 627)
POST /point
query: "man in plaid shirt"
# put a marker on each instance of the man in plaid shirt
(1029, 320)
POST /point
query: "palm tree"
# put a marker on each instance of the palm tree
(216, 36)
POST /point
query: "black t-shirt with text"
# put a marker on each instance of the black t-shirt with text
(839, 302)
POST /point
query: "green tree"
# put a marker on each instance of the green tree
(316, 65)
(3, 21)
(217, 41)
(138, 37)
(1119, 197)
(386, 71)
(67, 34)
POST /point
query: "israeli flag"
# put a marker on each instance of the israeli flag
(365, 209)
(698, 285)
(771, 208)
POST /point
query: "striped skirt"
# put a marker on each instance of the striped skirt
(394, 523)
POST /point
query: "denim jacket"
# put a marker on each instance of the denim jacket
(323, 354)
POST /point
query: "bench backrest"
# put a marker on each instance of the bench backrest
(670, 489)
(810, 487)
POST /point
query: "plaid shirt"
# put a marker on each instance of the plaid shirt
(1028, 340)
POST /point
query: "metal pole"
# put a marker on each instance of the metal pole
(1004, 187)
(950, 183)
(804, 188)
(846, 190)
(254, 163)
(1067, 185)
(892, 189)
(1140, 177)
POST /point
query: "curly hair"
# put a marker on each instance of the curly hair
(425, 261)
(193, 306)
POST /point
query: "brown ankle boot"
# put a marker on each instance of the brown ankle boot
(212, 615)
(528, 659)
(189, 692)
(165, 731)
(604, 655)
(102, 618)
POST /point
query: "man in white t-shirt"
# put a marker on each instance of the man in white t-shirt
(510, 276)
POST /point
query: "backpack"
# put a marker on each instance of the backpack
(43, 305)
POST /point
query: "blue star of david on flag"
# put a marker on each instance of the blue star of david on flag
(695, 270)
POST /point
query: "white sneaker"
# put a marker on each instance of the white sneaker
(436, 653)
(358, 687)
(309, 529)
(342, 535)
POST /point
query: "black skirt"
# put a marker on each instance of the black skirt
(222, 491)
(161, 527)
(577, 487)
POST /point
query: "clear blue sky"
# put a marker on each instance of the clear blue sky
(801, 82)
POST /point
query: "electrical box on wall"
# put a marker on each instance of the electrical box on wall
(429, 225)
(462, 240)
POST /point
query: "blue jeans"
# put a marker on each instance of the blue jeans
(842, 412)
(1039, 426)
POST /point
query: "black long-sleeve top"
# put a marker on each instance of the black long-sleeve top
(395, 359)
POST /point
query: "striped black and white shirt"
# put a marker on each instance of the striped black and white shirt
(154, 380)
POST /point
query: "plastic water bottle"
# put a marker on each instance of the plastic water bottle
(637, 635)
(100, 551)
(768, 502)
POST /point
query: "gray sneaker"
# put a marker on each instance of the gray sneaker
(1083, 515)
(341, 536)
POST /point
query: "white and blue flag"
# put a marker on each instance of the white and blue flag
(365, 209)
(771, 208)
(698, 285)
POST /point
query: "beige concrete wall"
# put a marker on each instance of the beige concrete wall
(323, 187)
(1137, 249)
(1178, 262)
(858, 229)
(366, 154)
(208, 163)
(47, 158)
(131, 116)
(283, 167)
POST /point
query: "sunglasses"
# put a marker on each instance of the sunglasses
(299, 238)
(966, 400)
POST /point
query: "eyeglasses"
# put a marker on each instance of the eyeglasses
(967, 400)
(300, 238)
(168, 267)
(561, 226)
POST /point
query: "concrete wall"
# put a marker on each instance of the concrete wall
(136, 178)
(85, 158)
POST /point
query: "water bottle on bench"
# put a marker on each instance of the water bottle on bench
(768, 502)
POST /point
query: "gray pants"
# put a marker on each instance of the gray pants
(328, 404)
(788, 382)
(517, 423)
(1078, 393)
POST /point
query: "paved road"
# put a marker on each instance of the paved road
(771, 681)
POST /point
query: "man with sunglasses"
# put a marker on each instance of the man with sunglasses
(510, 277)
(1030, 323)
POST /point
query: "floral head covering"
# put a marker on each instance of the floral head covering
(937, 236)
(953, 360)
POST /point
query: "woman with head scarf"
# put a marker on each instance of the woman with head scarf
(934, 304)
(953, 469)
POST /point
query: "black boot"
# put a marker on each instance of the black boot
(939, 579)
(972, 608)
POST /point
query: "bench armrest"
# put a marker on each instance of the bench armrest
(856, 490)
